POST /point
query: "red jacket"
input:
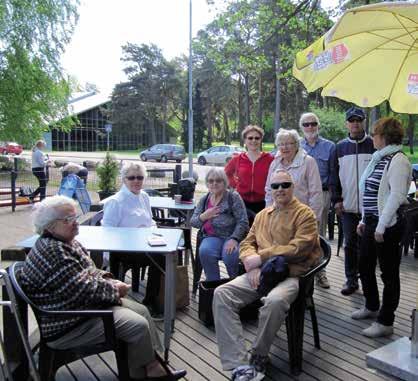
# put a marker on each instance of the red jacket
(248, 178)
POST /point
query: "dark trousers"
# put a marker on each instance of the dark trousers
(389, 255)
(351, 247)
(121, 262)
(40, 174)
(255, 207)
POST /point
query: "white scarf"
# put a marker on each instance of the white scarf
(376, 157)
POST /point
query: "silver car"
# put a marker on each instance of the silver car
(164, 152)
(218, 155)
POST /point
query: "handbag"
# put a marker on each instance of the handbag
(182, 289)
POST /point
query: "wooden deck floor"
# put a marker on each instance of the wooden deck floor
(343, 352)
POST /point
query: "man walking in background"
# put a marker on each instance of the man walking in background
(350, 159)
(321, 150)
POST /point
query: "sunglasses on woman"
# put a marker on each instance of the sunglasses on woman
(253, 138)
(217, 181)
(283, 185)
(132, 178)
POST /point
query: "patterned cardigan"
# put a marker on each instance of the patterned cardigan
(232, 221)
(61, 276)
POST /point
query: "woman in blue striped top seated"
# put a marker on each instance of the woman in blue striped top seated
(384, 186)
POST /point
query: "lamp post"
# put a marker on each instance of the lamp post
(190, 114)
(108, 129)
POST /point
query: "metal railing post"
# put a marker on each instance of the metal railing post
(177, 173)
(13, 177)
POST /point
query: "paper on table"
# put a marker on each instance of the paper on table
(156, 241)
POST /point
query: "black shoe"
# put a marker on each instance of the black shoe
(349, 289)
(156, 314)
(175, 375)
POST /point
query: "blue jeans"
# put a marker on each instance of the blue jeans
(212, 250)
(351, 247)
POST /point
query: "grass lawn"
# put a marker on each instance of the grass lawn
(267, 147)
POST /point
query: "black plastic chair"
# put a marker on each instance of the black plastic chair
(51, 359)
(295, 320)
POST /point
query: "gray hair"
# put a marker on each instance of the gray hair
(38, 144)
(285, 134)
(72, 168)
(307, 115)
(130, 166)
(47, 211)
(281, 170)
(217, 173)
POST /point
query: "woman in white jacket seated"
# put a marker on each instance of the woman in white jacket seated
(384, 186)
(130, 207)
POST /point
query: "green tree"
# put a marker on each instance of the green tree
(33, 91)
(146, 100)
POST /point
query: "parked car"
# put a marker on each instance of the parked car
(415, 172)
(164, 152)
(218, 154)
(10, 148)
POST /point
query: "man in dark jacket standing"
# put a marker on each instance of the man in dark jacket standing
(350, 159)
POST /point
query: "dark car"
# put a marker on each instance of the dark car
(10, 148)
(415, 171)
(164, 152)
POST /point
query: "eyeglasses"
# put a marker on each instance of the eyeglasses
(283, 185)
(355, 120)
(132, 178)
(253, 138)
(307, 124)
(69, 219)
(287, 144)
(211, 181)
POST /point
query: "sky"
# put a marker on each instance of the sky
(105, 25)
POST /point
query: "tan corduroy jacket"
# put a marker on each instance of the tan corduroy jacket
(291, 232)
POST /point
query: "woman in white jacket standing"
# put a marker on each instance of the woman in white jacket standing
(384, 187)
(302, 167)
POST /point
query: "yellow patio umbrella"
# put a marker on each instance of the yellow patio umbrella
(368, 56)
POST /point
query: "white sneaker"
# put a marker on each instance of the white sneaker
(246, 373)
(378, 330)
(363, 313)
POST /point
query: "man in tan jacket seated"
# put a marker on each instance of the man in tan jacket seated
(287, 228)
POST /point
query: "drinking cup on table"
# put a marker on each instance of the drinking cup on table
(177, 198)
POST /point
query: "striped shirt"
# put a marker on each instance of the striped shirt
(372, 187)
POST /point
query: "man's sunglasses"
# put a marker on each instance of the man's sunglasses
(354, 120)
(132, 178)
(284, 185)
(307, 124)
(253, 138)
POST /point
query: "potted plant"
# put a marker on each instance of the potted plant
(107, 172)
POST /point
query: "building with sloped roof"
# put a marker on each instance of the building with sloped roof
(91, 113)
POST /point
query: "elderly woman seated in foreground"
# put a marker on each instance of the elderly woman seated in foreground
(58, 274)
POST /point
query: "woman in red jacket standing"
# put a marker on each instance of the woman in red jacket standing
(247, 172)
